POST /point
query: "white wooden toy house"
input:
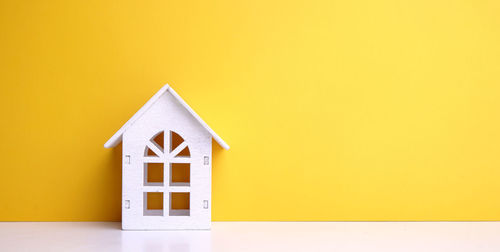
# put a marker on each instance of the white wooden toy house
(166, 166)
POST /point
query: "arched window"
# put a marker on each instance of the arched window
(167, 149)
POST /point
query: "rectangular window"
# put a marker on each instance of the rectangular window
(153, 174)
(179, 204)
(180, 174)
(153, 203)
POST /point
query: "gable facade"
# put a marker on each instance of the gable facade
(169, 117)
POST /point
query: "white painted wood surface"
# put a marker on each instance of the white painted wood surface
(256, 236)
(117, 137)
(165, 113)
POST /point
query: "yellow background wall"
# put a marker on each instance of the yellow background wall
(334, 110)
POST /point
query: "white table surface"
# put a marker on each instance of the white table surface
(255, 236)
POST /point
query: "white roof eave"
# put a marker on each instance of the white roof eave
(117, 137)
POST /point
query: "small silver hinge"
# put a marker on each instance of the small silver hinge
(206, 160)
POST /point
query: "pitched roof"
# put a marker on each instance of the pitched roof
(117, 137)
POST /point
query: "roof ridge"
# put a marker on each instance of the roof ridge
(117, 137)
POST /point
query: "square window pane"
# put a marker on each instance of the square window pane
(153, 203)
(179, 204)
(153, 174)
(180, 174)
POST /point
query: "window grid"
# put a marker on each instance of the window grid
(169, 148)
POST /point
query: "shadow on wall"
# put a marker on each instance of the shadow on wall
(218, 159)
(114, 169)
(217, 151)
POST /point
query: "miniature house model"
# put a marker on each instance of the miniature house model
(166, 166)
